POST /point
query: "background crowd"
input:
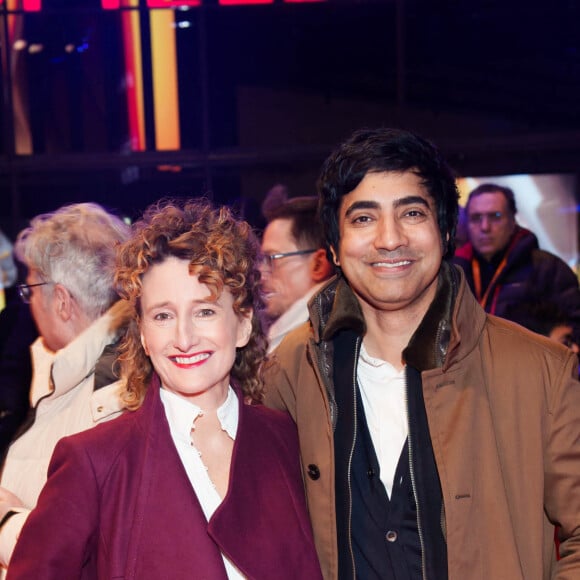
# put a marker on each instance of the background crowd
(420, 410)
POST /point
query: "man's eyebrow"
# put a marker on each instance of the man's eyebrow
(411, 199)
(364, 204)
(402, 201)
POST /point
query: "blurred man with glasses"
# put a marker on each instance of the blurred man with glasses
(503, 262)
(70, 257)
(294, 264)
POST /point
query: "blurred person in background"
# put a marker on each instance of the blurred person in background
(70, 257)
(8, 270)
(503, 263)
(17, 333)
(547, 319)
(294, 263)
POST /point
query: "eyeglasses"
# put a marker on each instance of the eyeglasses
(568, 340)
(492, 217)
(268, 260)
(25, 292)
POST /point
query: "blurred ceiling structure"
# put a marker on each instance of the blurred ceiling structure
(265, 91)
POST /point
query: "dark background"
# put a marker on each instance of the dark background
(267, 91)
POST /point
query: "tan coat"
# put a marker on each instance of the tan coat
(504, 419)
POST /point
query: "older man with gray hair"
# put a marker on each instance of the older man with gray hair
(70, 257)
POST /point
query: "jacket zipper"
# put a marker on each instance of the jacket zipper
(349, 481)
(323, 375)
(414, 484)
(439, 361)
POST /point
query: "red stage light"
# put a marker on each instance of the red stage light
(172, 3)
(36, 5)
(31, 5)
(243, 2)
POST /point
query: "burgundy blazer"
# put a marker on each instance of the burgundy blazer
(118, 504)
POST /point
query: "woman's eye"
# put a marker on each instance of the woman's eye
(206, 312)
(162, 316)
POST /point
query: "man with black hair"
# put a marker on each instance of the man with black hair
(436, 441)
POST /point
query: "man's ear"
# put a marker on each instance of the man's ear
(446, 242)
(63, 302)
(334, 256)
(321, 268)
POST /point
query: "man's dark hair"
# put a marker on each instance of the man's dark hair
(305, 229)
(507, 192)
(540, 316)
(380, 151)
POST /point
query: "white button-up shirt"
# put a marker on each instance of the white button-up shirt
(383, 395)
(181, 415)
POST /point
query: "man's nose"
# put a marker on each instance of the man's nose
(485, 222)
(390, 235)
(265, 271)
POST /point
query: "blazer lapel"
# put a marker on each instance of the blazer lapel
(169, 527)
(263, 519)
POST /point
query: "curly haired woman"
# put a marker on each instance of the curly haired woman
(193, 482)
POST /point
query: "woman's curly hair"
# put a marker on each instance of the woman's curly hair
(223, 251)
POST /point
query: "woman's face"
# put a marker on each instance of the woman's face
(190, 338)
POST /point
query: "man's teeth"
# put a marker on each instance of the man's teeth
(189, 360)
(393, 264)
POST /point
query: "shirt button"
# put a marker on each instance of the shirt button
(392, 536)
(313, 472)
(100, 409)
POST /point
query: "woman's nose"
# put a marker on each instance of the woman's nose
(185, 335)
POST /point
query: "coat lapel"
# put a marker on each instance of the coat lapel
(169, 526)
(263, 521)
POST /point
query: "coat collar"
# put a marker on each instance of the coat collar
(452, 323)
(76, 361)
(429, 344)
(335, 308)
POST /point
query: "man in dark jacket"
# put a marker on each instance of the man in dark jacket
(436, 441)
(503, 263)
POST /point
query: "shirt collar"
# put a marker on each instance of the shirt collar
(371, 360)
(373, 368)
(182, 414)
(295, 316)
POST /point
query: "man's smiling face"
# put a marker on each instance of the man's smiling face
(390, 248)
